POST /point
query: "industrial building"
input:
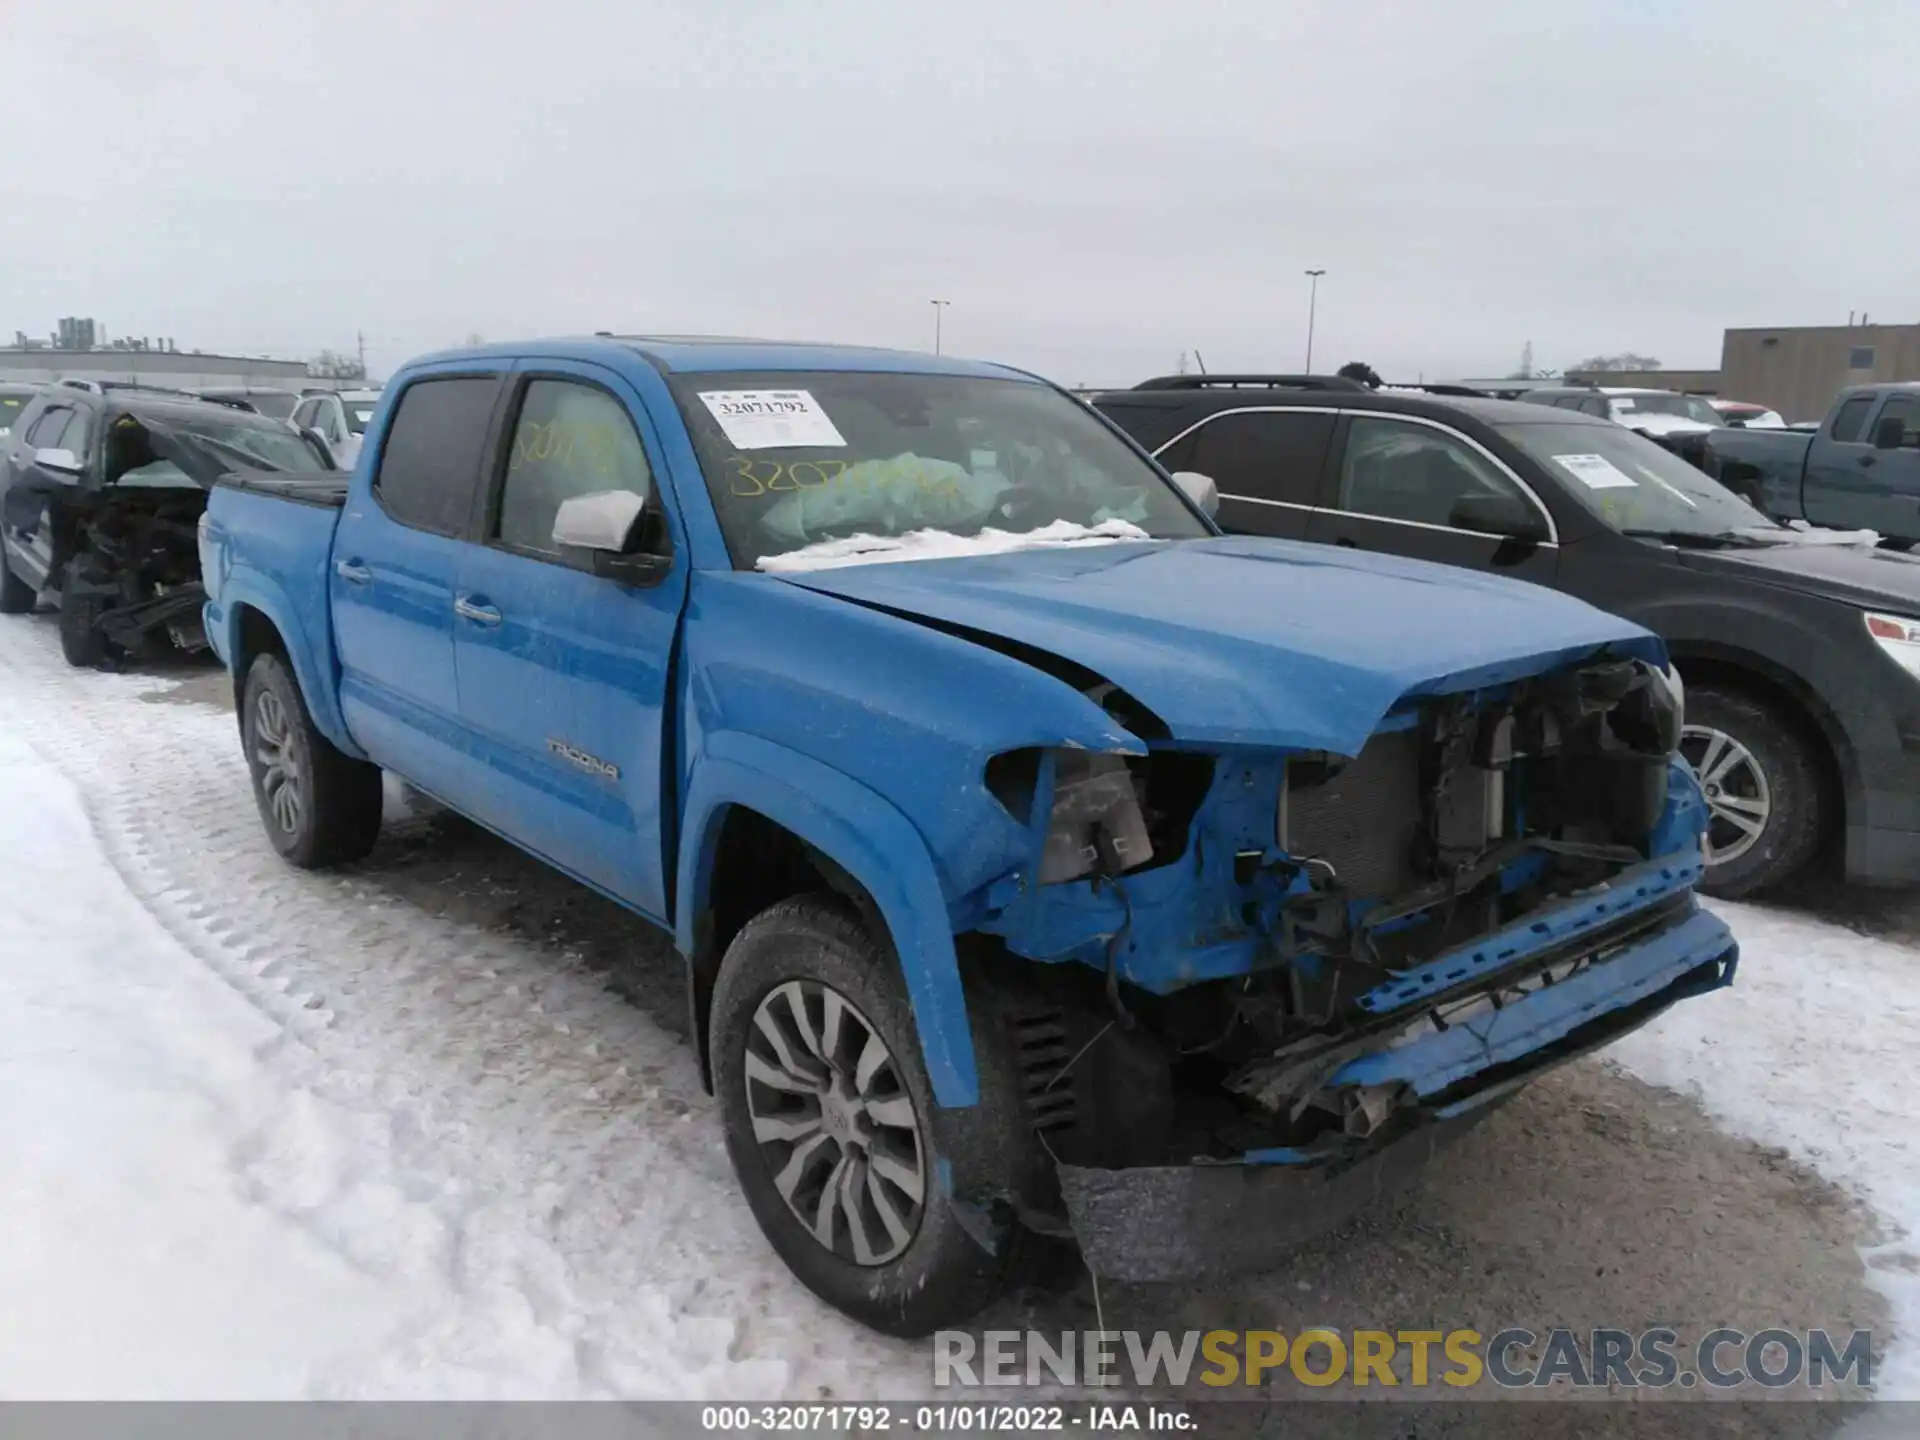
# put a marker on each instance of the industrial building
(1798, 370)
(177, 369)
(1795, 369)
(79, 350)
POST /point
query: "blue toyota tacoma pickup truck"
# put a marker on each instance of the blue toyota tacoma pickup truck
(1044, 861)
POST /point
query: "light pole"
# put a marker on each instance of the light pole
(938, 306)
(1313, 298)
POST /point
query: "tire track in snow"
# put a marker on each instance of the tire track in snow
(522, 1138)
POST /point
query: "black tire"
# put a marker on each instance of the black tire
(1795, 802)
(943, 1275)
(16, 596)
(320, 807)
(81, 640)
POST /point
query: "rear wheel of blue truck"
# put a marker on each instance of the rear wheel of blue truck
(320, 807)
(877, 1199)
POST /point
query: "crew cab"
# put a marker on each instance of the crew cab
(1859, 470)
(1044, 861)
(1797, 647)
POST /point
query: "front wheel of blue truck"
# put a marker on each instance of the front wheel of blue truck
(876, 1198)
(320, 807)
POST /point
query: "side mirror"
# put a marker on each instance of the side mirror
(1507, 515)
(600, 534)
(63, 462)
(1200, 489)
(1888, 433)
(1735, 424)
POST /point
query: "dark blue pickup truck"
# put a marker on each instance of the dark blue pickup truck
(1859, 471)
(1044, 861)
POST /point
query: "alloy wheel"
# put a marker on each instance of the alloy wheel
(277, 750)
(835, 1123)
(1739, 802)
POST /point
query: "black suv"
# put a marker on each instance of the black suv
(1801, 657)
(101, 492)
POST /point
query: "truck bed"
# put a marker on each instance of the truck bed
(267, 541)
(1766, 467)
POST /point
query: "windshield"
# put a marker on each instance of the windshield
(795, 460)
(274, 404)
(237, 439)
(1687, 407)
(1634, 485)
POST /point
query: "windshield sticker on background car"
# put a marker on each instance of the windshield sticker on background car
(1596, 472)
(769, 419)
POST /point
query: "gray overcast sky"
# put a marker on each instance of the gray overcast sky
(1095, 187)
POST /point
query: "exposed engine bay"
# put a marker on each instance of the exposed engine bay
(120, 545)
(1245, 926)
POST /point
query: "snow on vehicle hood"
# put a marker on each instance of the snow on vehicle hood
(1244, 641)
(1664, 424)
(943, 545)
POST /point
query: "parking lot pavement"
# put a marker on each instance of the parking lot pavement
(453, 978)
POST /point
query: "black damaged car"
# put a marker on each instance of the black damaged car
(1799, 649)
(101, 492)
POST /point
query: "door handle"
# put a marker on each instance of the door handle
(352, 571)
(1347, 541)
(480, 614)
(1867, 459)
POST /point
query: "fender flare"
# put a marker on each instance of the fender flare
(860, 831)
(261, 593)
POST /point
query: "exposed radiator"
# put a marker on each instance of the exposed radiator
(1363, 821)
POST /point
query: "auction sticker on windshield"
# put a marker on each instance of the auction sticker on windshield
(1596, 472)
(766, 419)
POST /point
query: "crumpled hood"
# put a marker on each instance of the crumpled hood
(1244, 641)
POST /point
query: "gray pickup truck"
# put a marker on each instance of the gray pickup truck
(1859, 471)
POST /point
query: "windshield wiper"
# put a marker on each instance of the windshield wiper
(1701, 539)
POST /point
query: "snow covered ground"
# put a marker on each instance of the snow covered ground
(275, 1135)
(223, 1181)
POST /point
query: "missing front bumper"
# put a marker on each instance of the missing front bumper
(1171, 1222)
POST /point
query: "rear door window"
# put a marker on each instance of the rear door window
(1850, 420)
(1272, 456)
(430, 464)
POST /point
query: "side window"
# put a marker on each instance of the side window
(570, 439)
(1850, 420)
(1593, 405)
(1400, 471)
(1272, 455)
(303, 415)
(430, 464)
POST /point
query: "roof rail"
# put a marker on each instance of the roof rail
(1232, 382)
(1467, 392)
(102, 387)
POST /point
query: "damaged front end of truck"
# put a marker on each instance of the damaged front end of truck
(1272, 982)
